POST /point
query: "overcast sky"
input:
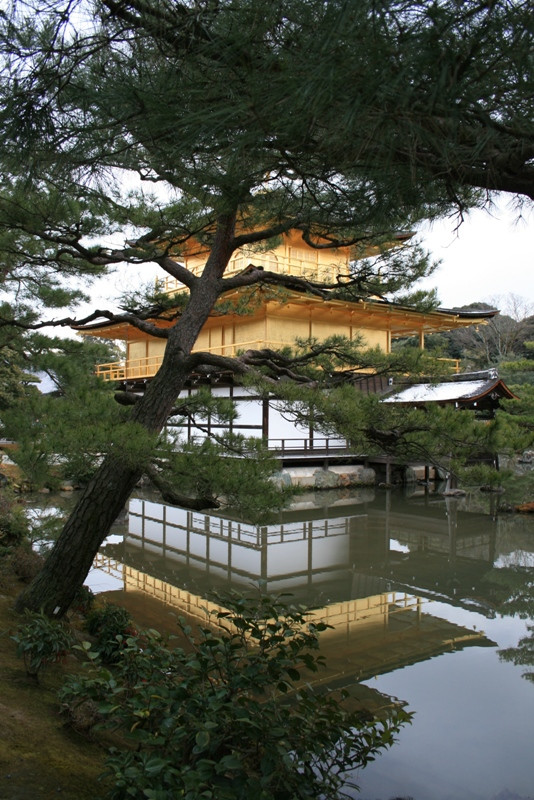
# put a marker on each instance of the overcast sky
(490, 255)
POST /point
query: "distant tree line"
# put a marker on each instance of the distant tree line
(506, 342)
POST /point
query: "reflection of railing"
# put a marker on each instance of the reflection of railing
(109, 565)
(373, 609)
(172, 527)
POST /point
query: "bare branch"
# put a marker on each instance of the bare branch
(254, 275)
(177, 270)
(85, 323)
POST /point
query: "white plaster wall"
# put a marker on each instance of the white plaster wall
(283, 426)
(249, 412)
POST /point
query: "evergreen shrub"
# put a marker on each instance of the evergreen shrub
(231, 714)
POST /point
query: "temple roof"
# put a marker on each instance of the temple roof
(369, 313)
(462, 392)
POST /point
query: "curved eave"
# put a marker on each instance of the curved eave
(368, 314)
(506, 393)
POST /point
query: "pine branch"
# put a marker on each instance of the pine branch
(170, 495)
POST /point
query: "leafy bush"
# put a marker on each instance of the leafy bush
(42, 641)
(84, 600)
(109, 625)
(230, 717)
(13, 521)
(25, 562)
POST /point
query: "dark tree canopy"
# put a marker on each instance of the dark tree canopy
(345, 119)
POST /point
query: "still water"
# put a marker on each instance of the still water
(424, 594)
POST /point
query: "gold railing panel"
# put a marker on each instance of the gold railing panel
(147, 367)
(297, 267)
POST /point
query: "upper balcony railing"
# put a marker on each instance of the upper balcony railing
(308, 268)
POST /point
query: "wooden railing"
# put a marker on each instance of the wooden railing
(285, 447)
(455, 362)
(297, 267)
(139, 368)
(147, 367)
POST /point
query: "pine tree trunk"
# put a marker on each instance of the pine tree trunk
(67, 565)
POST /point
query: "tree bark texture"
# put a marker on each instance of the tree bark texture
(67, 565)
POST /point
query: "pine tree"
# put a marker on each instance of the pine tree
(345, 121)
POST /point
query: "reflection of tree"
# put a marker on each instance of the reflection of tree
(512, 589)
(523, 654)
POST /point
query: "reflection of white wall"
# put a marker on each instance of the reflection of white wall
(154, 530)
(175, 516)
(154, 510)
(287, 557)
(329, 552)
(135, 525)
(197, 545)
(219, 551)
(136, 506)
(246, 560)
(237, 548)
(176, 538)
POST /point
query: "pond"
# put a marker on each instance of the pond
(424, 593)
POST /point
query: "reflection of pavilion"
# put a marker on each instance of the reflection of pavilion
(349, 547)
(315, 553)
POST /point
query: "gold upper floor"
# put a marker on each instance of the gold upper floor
(292, 256)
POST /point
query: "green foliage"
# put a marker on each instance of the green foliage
(232, 715)
(109, 625)
(41, 641)
(484, 475)
(63, 435)
(512, 590)
(14, 526)
(515, 421)
(421, 299)
(512, 367)
(522, 654)
(230, 468)
(132, 443)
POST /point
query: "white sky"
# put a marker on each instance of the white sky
(490, 256)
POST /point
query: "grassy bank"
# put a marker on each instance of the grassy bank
(41, 756)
